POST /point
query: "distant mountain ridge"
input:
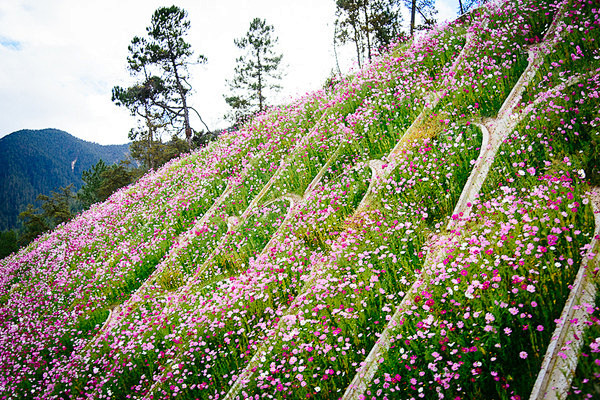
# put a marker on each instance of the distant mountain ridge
(40, 161)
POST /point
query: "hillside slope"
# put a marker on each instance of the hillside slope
(39, 161)
(413, 232)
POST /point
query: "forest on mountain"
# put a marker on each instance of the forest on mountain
(39, 161)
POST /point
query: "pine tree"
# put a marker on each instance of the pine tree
(56, 209)
(145, 98)
(160, 63)
(92, 180)
(256, 72)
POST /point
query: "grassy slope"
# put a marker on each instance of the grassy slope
(269, 263)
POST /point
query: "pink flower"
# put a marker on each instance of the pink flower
(523, 355)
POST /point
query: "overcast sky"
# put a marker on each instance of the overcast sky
(59, 59)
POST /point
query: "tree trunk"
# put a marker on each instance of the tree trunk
(357, 42)
(260, 86)
(337, 63)
(367, 28)
(186, 111)
(150, 126)
(413, 14)
(186, 119)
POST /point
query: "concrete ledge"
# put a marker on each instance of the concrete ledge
(560, 361)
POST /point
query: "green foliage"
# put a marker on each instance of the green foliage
(256, 72)
(8, 243)
(38, 161)
(160, 63)
(55, 210)
(92, 179)
(34, 224)
(153, 155)
(369, 24)
(201, 139)
(142, 101)
(101, 180)
(169, 51)
(58, 207)
(591, 158)
(115, 177)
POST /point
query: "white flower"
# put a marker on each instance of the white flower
(530, 288)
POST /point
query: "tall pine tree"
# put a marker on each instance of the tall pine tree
(144, 99)
(256, 72)
(160, 62)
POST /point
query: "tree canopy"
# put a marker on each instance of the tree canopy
(369, 24)
(56, 209)
(159, 62)
(92, 179)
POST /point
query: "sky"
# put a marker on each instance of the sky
(60, 59)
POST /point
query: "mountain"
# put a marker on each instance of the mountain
(426, 228)
(39, 161)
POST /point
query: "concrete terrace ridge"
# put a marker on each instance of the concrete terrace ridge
(560, 361)
(494, 132)
(378, 173)
(295, 204)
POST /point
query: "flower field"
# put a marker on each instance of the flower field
(414, 231)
